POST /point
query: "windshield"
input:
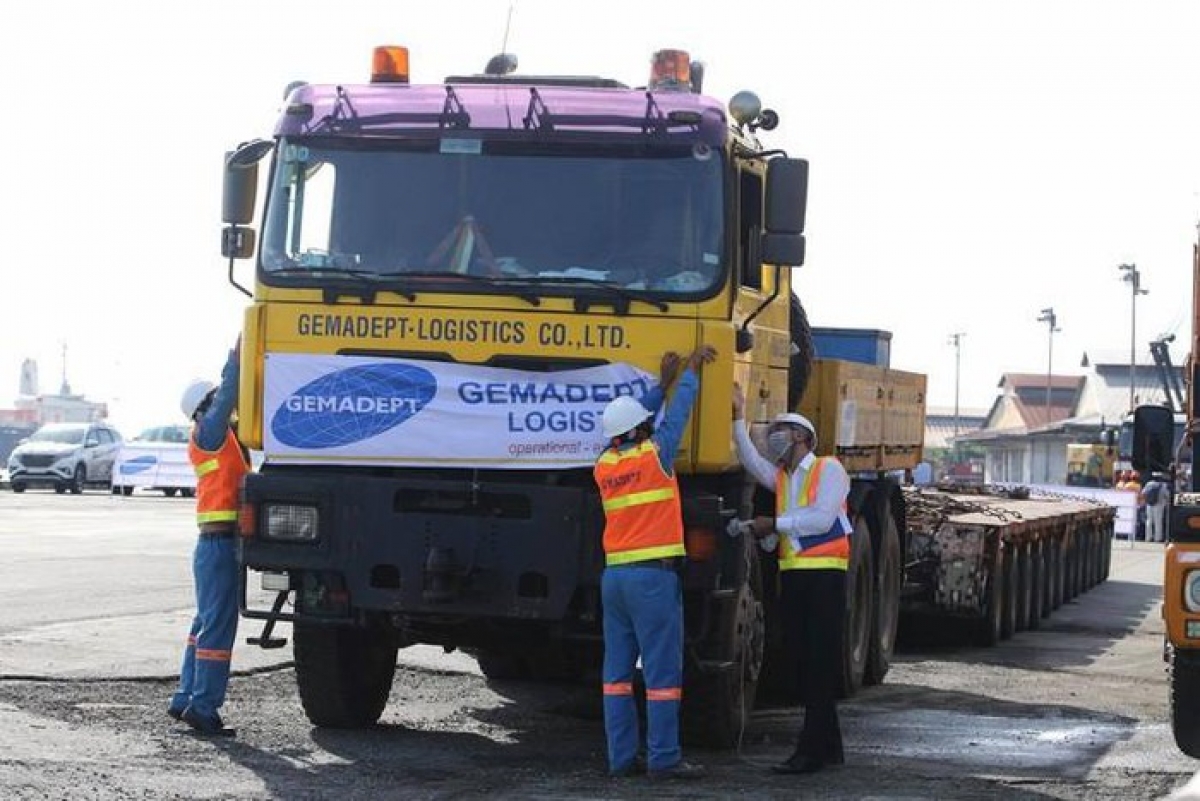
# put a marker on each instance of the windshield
(644, 218)
(64, 436)
(176, 434)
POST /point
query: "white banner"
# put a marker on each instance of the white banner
(322, 409)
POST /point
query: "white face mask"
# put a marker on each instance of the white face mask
(778, 445)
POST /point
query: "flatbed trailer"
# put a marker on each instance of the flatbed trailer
(1001, 559)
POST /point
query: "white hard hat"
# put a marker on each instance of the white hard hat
(194, 395)
(791, 418)
(621, 415)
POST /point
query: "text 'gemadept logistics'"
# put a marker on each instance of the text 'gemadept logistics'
(548, 334)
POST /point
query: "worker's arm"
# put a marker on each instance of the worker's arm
(212, 426)
(817, 518)
(754, 462)
(669, 432)
(668, 373)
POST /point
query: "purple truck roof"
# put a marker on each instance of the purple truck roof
(574, 112)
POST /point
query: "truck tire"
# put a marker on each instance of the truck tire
(1024, 569)
(1011, 578)
(1037, 583)
(1185, 700)
(1056, 573)
(717, 704)
(344, 674)
(987, 628)
(801, 363)
(886, 615)
(502, 665)
(860, 607)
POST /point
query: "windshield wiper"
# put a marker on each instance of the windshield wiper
(620, 303)
(503, 284)
(364, 284)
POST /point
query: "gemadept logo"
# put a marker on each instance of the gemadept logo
(352, 405)
(138, 464)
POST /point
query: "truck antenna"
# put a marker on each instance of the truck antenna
(507, 27)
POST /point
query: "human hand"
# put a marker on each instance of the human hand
(763, 526)
(739, 402)
(737, 528)
(705, 354)
(668, 369)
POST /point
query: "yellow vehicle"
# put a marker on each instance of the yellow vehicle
(451, 282)
(1090, 465)
(1153, 450)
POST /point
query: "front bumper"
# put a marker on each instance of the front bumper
(432, 552)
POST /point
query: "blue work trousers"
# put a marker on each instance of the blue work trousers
(643, 615)
(205, 671)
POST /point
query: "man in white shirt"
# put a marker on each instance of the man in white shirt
(810, 535)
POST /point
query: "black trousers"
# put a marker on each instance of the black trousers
(814, 612)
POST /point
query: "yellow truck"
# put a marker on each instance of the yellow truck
(1158, 450)
(450, 283)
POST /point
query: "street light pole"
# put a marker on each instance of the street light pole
(956, 341)
(1051, 319)
(1134, 277)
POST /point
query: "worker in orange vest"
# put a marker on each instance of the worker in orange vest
(220, 464)
(810, 534)
(641, 592)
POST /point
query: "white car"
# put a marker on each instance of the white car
(65, 456)
(156, 459)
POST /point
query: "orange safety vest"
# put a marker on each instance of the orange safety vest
(829, 551)
(219, 476)
(643, 515)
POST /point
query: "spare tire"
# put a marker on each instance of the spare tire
(801, 364)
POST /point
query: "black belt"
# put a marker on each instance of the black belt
(221, 531)
(672, 563)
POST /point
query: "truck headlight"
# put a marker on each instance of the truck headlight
(1191, 590)
(291, 522)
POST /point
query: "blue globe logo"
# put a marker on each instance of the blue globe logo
(352, 405)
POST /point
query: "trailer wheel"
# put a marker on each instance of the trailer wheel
(1037, 583)
(1106, 548)
(887, 601)
(860, 586)
(717, 704)
(988, 627)
(1011, 578)
(344, 674)
(1185, 700)
(1057, 560)
(1024, 570)
(502, 665)
(801, 363)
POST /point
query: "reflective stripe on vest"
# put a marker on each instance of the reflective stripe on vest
(643, 516)
(218, 479)
(830, 551)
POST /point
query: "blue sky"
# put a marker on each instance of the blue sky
(972, 163)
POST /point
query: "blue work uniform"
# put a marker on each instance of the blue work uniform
(643, 615)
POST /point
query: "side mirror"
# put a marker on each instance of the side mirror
(785, 250)
(1153, 439)
(784, 213)
(787, 196)
(239, 192)
(237, 243)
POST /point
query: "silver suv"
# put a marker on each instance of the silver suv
(66, 456)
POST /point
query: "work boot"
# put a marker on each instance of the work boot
(799, 763)
(634, 768)
(175, 712)
(681, 770)
(207, 725)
